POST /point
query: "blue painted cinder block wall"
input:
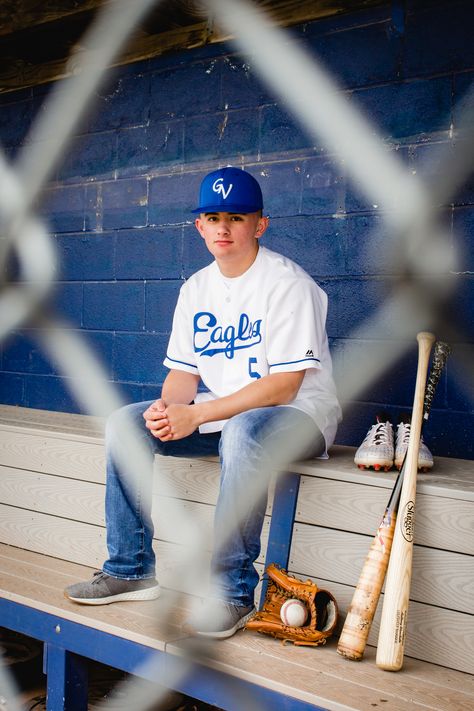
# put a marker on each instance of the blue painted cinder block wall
(119, 206)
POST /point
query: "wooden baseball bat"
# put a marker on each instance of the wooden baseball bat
(354, 635)
(391, 642)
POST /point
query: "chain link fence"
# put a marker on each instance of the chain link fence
(417, 241)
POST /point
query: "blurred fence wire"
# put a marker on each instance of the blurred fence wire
(416, 242)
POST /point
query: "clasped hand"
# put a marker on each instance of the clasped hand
(170, 422)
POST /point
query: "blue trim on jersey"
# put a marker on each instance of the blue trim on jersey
(292, 362)
(182, 362)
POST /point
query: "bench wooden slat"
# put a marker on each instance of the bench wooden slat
(52, 475)
(70, 540)
(313, 675)
(419, 684)
(57, 455)
(439, 577)
(434, 634)
(452, 478)
(62, 422)
(193, 479)
(440, 522)
(446, 685)
(81, 500)
(319, 676)
(84, 543)
(57, 573)
(117, 619)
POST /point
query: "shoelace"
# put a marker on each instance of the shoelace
(403, 433)
(98, 576)
(379, 434)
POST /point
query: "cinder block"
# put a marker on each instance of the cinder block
(63, 208)
(195, 253)
(460, 311)
(123, 102)
(172, 60)
(151, 392)
(49, 392)
(395, 386)
(138, 358)
(322, 186)
(90, 156)
(20, 95)
(201, 138)
(369, 247)
(356, 422)
(23, 354)
(124, 203)
(356, 199)
(131, 392)
(101, 343)
(409, 109)
(352, 302)
(12, 387)
(172, 198)
(15, 119)
(160, 302)
(241, 86)
(460, 384)
(187, 90)
(149, 253)
(92, 208)
(85, 257)
(358, 56)
(238, 133)
(112, 306)
(67, 301)
(316, 245)
(453, 439)
(141, 150)
(463, 99)
(463, 239)
(428, 162)
(281, 186)
(230, 134)
(446, 46)
(280, 133)
(344, 21)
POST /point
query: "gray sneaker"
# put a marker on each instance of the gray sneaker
(218, 619)
(104, 589)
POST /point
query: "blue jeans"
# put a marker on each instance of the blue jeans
(246, 447)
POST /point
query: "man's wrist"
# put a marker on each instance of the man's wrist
(199, 413)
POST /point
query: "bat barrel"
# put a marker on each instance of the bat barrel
(391, 643)
(354, 635)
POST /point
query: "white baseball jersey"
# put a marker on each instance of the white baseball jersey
(271, 319)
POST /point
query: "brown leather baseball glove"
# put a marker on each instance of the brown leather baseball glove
(322, 610)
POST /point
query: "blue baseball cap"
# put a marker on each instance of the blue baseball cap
(229, 190)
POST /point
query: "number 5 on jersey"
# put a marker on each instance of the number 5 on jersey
(253, 373)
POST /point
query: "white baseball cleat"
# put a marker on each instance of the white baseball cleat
(377, 449)
(425, 458)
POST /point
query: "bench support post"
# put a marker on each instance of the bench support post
(67, 680)
(281, 527)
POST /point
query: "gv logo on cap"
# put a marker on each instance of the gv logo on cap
(218, 187)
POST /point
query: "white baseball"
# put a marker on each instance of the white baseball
(293, 613)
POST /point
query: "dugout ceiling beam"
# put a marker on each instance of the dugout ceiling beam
(40, 40)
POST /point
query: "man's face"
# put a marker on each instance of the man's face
(231, 237)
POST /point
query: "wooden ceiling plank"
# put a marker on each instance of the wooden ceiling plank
(21, 74)
(18, 15)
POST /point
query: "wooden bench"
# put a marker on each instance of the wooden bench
(52, 533)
